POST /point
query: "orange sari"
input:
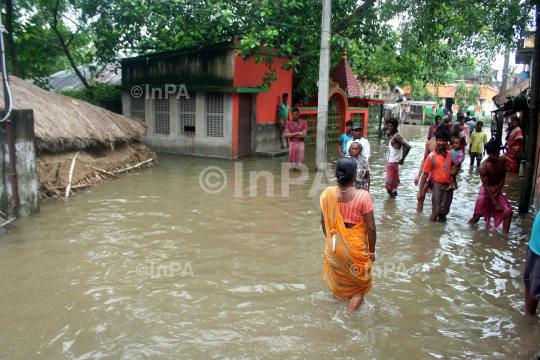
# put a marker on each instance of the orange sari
(347, 268)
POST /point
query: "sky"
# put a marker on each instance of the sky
(499, 64)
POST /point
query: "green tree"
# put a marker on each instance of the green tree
(433, 38)
(45, 36)
(461, 96)
(420, 92)
(473, 95)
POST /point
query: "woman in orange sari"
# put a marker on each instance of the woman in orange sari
(349, 226)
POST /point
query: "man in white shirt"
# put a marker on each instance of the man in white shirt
(357, 135)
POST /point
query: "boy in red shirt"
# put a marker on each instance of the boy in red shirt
(439, 164)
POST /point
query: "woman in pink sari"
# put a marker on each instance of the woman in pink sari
(514, 145)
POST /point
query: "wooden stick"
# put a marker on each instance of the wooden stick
(56, 168)
(74, 186)
(103, 171)
(81, 186)
(7, 222)
(71, 174)
(133, 167)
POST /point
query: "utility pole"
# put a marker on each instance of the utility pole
(324, 83)
(532, 130)
(9, 123)
(505, 72)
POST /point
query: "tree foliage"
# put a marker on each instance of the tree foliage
(432, 43)
(473, 95)
(420, 92)
(461, 96)
(465, 97)
(100, 94)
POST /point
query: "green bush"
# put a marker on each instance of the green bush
(99, 94)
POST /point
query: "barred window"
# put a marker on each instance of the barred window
(214, 114)
(163, 124)
(186, 111)
(137, 107)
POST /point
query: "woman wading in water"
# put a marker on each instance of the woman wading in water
(362, 166)
(349, 226)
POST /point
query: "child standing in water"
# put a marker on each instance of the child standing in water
(457, 155)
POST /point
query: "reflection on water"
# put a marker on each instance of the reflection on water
(72, 284)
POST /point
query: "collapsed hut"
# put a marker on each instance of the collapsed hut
(101, 144)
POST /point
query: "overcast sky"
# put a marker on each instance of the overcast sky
(499, 64)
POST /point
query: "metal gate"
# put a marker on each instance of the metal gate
(374, 119)
(334, 121)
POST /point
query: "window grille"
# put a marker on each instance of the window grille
(214, 114)
(187, 114)
(163, 125)
(137, 107)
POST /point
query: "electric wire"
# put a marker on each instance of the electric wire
(8, 111)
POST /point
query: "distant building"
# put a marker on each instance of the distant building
(204, 100)
(447, 92)
(67, 79)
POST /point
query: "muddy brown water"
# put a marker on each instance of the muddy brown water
(151, 266)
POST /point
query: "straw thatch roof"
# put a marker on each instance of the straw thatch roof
(501, 98)
(63, 123)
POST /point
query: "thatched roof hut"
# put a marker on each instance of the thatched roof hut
(501, 98)
(62, 123)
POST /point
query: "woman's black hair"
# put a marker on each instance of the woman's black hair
(345, 170)
(515, 118)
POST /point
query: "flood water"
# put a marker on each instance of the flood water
(152, 266)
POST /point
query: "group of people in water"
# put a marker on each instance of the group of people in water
(347, 218)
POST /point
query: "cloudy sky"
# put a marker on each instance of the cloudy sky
(499, 64)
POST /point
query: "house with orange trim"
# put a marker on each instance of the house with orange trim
(205, 100)
(448, 92)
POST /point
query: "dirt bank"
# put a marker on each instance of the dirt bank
(54, 168)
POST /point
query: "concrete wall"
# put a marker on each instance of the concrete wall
(248, 73)
(266, 137)
(200, 144)
(23, 129)
(206, 66)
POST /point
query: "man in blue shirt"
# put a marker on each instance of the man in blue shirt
(471, 122)
(531, 276)
(345, 138)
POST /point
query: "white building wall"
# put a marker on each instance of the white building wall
(174, 142)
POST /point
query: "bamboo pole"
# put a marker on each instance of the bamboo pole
(7, 222)
(68, 188)
(52, 172)
(133, 167)
(103, 171)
